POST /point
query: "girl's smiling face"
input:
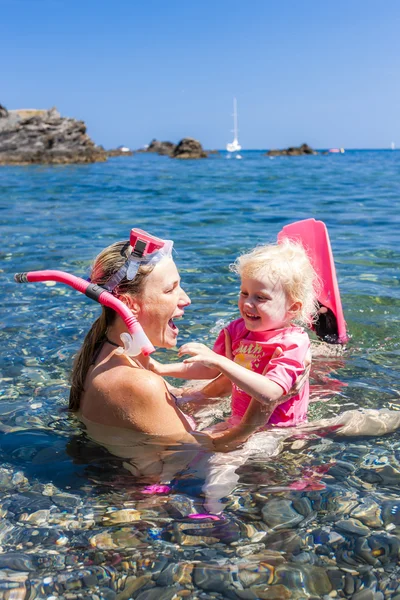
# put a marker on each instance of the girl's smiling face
(263, 304)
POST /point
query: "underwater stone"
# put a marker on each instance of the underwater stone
(307, 579)
(352, 527)
(16, 561)
(363, 550)
(303, 506)
(369, 512)
(176, 573)
(249, 549)
(126, 515)
(39, 517)
(365, 595)
(213, 577)
(107, 594)
(391, 512)
(273, 592)
(280, 514)
(284, 541)
(246, 594)
(387, 475)
(337, 578)
(179, 506)
(349, 584)
(67, 501)
(258, 574)
(135, 585)
(21, 503)
(158, 594)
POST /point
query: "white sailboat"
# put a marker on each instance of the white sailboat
(234, 146)
(393, 146)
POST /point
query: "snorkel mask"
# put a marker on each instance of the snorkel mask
(145, 249)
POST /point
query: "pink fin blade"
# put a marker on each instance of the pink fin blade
(313, 235)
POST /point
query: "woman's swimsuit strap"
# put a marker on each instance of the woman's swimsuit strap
(100, 346)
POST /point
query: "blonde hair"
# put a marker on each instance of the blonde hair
(104, 266)
(288, 263)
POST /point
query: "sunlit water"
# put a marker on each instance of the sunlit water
(320, 517)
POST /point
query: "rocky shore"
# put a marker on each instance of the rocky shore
(302, 150)
(187, 148)
(43, 136)
(30, 136)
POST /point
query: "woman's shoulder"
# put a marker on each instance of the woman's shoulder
(121, 379)
(124, 396)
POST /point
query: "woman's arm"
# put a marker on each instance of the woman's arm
(256, 416)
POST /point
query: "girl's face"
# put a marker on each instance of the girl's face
(161, 300)
(263, 304)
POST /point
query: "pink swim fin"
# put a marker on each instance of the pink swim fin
(313, 235)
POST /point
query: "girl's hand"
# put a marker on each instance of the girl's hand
(155, 366)
(199, 354)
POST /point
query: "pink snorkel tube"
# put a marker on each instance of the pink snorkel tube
(144, 246)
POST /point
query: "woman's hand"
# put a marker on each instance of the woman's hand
(200, 353)
(228, 440)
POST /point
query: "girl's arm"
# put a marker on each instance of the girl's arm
(256, 385)
(182, 370)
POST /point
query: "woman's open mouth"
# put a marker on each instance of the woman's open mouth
(172, 325)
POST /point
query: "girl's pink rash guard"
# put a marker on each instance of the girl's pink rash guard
(253, 350)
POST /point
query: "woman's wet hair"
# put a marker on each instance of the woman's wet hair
(288, 263)
(104, 266)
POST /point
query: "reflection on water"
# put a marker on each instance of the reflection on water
(307, 516)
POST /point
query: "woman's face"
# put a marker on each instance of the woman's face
(161, 300)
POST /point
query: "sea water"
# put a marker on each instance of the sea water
(319, 519)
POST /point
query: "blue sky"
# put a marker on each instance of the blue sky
(302, 70)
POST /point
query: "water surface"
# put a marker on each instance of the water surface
(75, 522)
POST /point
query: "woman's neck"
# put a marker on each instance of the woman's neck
(113, 335)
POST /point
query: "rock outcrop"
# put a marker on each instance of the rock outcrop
(43, 136)
(292, 151)
(189, 148)
(186, 148)
(157, 147)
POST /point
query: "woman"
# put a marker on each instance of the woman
(115, 390)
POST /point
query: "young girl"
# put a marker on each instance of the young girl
(261, 354)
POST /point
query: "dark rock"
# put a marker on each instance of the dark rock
(189, 148)
(3, 111)
(292, 151)
(215, 578)
(43, 136)
(157, 147)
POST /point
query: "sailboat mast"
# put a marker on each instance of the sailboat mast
(235, 127)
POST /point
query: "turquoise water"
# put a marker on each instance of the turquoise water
(75, 523)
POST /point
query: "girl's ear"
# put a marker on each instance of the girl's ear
(296, 307)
